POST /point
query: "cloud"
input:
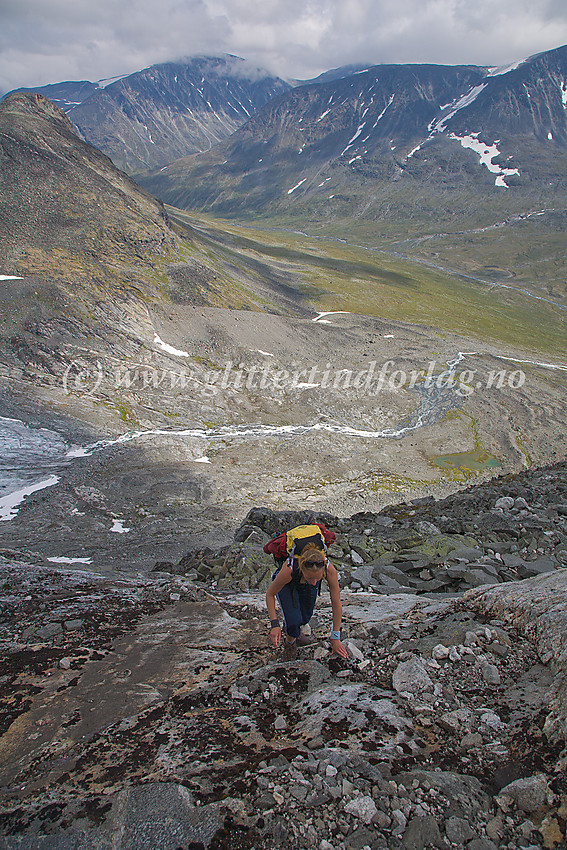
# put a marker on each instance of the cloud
(45, 41)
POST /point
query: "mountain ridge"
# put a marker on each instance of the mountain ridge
(66, 209)
(167, 110)
(414, 109)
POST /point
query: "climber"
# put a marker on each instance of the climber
(296, 588)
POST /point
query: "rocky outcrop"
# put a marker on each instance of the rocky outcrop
(510, 528)
(152, 712)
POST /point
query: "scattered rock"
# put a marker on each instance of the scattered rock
(211, 741)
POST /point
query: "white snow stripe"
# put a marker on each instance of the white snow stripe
(169, 348)
(293, 188)
(465, 100)
(9, 503)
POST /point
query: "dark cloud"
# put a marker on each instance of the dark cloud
(44, 41)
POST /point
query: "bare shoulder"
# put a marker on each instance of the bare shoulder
(283, 576)
(332, 574)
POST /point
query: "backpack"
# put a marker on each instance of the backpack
(290, 543)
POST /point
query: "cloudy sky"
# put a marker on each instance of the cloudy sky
(46, 41)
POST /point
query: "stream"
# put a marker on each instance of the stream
(33, 459)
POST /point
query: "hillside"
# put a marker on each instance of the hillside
(66, 211)
(214, 364)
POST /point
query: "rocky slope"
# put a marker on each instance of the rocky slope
(67, 212)
(446, 728)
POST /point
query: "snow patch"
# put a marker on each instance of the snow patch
(9, 503)
(63, 559)
(384, 110)
(456, 106)
(320, 320)
(486, 154)
(102, 84)
(564, 94)
(118, 527)
(169, 348)
(356, 135)
(9, 277)
(497, 72)
(297, 185)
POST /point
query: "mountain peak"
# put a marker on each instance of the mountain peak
(22, 103)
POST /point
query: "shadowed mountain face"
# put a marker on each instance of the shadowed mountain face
(401, 141)
(154, 116)
(66, 209)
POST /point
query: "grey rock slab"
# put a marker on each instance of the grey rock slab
(504, 503)
(390, 571)
(490, 673)
(357, 840)
(457, 721)
(144, 667)
(362, 574)
(537, 567)
(160, 815)
(463, 794)
(537, 607)
(529, 794)
(372, 608)
(141, 818)
(353, 703)
(363, 808)
(482, 844)
(422, 832)
(458, 830)
(411, 677)
(465, 553)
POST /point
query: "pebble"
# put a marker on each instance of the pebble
(363, 808)
(490, 673)
(529, 794)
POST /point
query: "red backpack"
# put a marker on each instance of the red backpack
(290, 543)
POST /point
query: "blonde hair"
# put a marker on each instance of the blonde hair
(311, 558)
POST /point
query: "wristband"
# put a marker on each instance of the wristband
(274, 624)
(335, 635)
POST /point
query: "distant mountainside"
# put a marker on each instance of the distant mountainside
(154, 116)
(459, 143)
(65, 95)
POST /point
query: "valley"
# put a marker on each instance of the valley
(374, 336)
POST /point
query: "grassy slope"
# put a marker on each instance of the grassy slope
(335, 276)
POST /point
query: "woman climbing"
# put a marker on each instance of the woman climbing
(297, 588)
